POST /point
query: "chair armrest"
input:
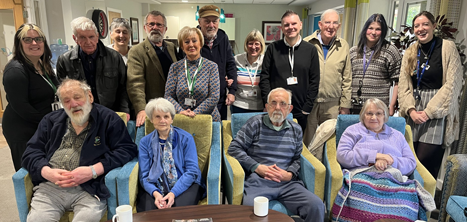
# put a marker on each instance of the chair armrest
(23, 192)
(111, 184)
(312, 173)
(213, 184)
(456, 172)
(233, 176)
(127, 184)
(334, 175)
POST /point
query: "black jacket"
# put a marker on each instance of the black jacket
(276, 70)
(110, 75)
(107, 142)
(221, 54)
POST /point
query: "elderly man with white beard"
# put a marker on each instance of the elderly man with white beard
(70, 153)
(268, 147)
(148, 65)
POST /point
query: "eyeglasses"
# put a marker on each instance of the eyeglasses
(152, 24)
(273, 104)
(28, 40)
(328, 23)
(377, 114)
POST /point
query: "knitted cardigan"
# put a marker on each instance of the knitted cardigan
(445, 103)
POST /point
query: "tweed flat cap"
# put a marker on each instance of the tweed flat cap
(209, 10)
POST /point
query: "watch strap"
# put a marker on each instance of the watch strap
(94, 174)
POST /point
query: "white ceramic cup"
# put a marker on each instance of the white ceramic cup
(261, 206)
(124, 214)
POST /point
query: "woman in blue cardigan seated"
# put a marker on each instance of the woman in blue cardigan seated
(169, 174)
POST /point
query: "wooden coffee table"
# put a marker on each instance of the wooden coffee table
(218, 213)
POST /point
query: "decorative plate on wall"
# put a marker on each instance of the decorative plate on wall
(100, 19)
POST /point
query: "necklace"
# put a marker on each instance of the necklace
(425, 54)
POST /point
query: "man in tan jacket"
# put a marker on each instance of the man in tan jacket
(335, 74)
(148, 65)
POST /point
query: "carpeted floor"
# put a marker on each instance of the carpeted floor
(8, 210)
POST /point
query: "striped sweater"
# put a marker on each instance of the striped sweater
(257, 142)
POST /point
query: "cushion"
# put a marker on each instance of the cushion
(239, 119)
(344, 121)
(456, 206)
(200, 127)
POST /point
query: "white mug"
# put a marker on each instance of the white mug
(261, 206)
(124, 214)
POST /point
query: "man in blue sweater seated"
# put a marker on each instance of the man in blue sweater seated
(70, 153)
(268, 147)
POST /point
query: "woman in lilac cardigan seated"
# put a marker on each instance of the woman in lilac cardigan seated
(372, 142)
(169, 174)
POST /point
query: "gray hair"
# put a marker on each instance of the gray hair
(159, 104)
(155, 13)
(120, 22)
(329, 11)
(379, 105)
(84, 24)
(281, 89)
(67, 82)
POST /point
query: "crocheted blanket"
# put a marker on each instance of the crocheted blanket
(377, 194)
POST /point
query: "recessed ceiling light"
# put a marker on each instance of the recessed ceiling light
(184, 0)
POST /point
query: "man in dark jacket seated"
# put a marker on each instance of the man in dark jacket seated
(70, 153)
(101, 67)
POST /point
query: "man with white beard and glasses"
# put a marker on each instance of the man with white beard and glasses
(148, 65)
(70, 154)
(268, 147)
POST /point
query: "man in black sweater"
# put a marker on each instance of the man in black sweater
(294, 65)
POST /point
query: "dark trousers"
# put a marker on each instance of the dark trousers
(17, 149)
(234, 109)
(301, 120)
(191, 196)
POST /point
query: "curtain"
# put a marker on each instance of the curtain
(350, 9)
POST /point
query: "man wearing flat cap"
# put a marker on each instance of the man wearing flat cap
(217, 48)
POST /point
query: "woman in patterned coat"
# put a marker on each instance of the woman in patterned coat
(193, 82)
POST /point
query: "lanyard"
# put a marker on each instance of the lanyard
(192, 79)
(425, 65)
(252, 78)
(292, 59)
(48, 80)
(365, 64)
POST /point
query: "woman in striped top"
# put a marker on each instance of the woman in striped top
(248, 96)
(375, 65)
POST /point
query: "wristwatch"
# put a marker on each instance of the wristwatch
(94, 174)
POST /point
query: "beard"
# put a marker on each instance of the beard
(155, 36)
(211, 33)
(277, 117)
(80, 118)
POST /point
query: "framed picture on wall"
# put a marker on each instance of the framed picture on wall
(271, 31)
(134, 31)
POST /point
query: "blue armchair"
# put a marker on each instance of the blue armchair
(454, 194)
(208, 143)
(312, 171)
(334, 176)
(23, 191)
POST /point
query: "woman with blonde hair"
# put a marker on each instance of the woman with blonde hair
(30, 85)
(429, 87)
(248, 96)
(193, 83)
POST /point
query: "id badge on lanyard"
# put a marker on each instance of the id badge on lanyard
(56, 105)
(292, 80)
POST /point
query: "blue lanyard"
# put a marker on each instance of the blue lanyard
(365, 64)
(420, 75)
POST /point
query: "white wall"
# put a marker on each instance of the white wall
(380, 6)
(7, 33)
(320, 6)
(462, 24)
(61, 12)
(247, 16)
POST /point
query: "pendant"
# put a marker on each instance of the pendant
(425, 57)
(425, 65)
